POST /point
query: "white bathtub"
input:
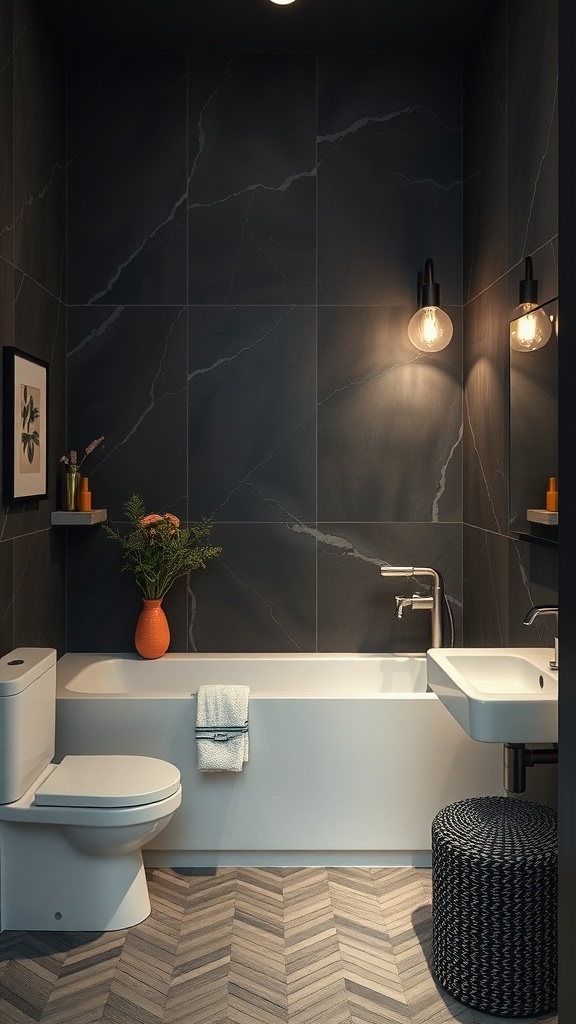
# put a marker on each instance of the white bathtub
(350, 757)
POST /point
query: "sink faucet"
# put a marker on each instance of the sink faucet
(545, 609)
(418, 601)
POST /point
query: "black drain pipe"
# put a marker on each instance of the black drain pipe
(517, 758)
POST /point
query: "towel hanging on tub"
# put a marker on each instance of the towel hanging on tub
(222, 728)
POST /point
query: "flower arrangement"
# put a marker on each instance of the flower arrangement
(71, 460)
(157, 550)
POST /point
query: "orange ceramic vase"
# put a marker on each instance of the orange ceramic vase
(152, 635)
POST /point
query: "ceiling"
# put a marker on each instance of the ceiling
(259, 25)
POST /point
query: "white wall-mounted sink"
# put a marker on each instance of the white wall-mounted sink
(498, 694)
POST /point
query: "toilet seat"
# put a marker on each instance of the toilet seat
(108, 780)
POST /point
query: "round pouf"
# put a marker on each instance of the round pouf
(494, 914)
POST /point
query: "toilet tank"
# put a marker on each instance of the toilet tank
(27, 718)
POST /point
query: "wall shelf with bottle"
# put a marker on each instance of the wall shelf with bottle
(95, 515)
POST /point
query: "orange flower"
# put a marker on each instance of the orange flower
(173, 522)
(149, 522)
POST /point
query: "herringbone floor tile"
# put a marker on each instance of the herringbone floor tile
(244, 946)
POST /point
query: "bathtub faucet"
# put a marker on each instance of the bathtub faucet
(419, 602)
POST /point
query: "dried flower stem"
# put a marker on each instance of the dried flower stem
(72, 459)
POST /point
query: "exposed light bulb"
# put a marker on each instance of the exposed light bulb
(530, 326)
(430, 329)
(530, 329)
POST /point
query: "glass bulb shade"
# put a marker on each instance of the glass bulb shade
(282, 1)
(430, 329)
(530, 329)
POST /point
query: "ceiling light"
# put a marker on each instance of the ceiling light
(282, 1)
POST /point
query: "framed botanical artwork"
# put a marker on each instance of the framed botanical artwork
(25, 445)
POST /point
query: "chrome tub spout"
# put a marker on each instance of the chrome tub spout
(434, 602)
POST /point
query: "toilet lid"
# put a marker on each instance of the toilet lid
(108, 780)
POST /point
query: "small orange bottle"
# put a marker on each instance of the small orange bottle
(84, 496)
(552, 495)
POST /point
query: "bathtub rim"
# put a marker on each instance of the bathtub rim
(71, 663)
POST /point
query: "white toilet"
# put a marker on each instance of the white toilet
(71, 833)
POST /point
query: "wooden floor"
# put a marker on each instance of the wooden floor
(243, 945)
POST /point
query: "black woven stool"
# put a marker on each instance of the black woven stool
(494, 914)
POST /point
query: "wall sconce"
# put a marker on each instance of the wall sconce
(430, 329)
(531, 327)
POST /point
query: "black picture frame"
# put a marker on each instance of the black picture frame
(25, 422)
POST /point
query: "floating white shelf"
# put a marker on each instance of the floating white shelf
(542, 515)
(96, 515)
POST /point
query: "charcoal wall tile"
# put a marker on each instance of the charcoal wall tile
(104, 602)
(127, 182)
(485, 588)
(235, 604)
(389, 419)
(39, 328)
(503, 578)
(486, 396)
(251, 413)
(533, 574)
(389, 176)
(6, 323)
(274, 424)
(260, 594)
(6, 592)
(32, 226)
(6, 121)
(485, 154)
(252, 193)
(127, 381)
(532, 125)
(503, 575)
(39, 588)
(356, 604)
(39, 151)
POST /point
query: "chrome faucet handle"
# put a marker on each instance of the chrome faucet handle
(417, 602)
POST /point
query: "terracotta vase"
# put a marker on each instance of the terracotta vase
(152, 635)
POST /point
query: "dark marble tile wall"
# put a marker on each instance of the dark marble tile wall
(510, 212)
(32, 309)
(245, 236)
